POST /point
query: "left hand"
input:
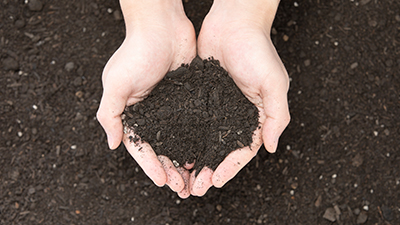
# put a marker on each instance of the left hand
(237, 35)
(159, 38)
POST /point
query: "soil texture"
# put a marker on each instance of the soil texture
(338, 161)
(195, 114)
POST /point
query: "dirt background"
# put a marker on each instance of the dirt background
(339, 157)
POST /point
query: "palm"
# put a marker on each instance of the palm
(144, 58)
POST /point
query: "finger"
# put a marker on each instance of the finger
(192, 178)
(231, 165)
(174, 178)
(188, 166)
(236, 160)
(185, 193)
(277, 114)
(146, 158)
(202, 182)
(109, 116)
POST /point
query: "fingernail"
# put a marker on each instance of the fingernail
(110, 141)
(275, 144)
(272, 148)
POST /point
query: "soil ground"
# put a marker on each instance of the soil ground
(337, 160)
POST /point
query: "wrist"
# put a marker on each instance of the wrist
(260, 12)
(145, 12)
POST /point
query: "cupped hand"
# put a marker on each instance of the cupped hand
(159, 38)
(238, 35)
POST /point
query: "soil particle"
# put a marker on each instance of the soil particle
(354, 65)
(31, 191)
(69, 66)
(364, 2)
(10, 64)
(117, 15)
(35, 5)
(387, 213)
(78, 81)
(397, 17)
(330, 214)
(372, 23)
(196, 113)
(318, 201)
(357, 160)
(19, 23)
(307, 62)
(389, 63)
(14, 174)
(362, 218)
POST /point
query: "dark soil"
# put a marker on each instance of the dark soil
(195, 114)
(339, 156)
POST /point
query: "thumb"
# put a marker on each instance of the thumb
(277, 117)
(109, 116)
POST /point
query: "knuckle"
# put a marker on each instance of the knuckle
(287, 119)
(100, 116)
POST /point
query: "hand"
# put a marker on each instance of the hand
(159, 38)
(237, 34)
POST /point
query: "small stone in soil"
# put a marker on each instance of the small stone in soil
(69, 66)
(117, 15)
(362, 218)
(354, 65)
(318, 201)
(307, 62)
(330, 214)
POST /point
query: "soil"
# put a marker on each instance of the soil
(195, 114)
(339, 158)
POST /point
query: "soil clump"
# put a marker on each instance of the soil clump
(195, 114)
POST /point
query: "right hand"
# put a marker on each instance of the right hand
(159, 38)
(237, 34)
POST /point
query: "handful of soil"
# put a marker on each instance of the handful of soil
(196, 113)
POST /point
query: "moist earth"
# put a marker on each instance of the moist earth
(338, 160)
(195, 114)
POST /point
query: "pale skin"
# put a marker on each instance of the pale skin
(160, 38)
